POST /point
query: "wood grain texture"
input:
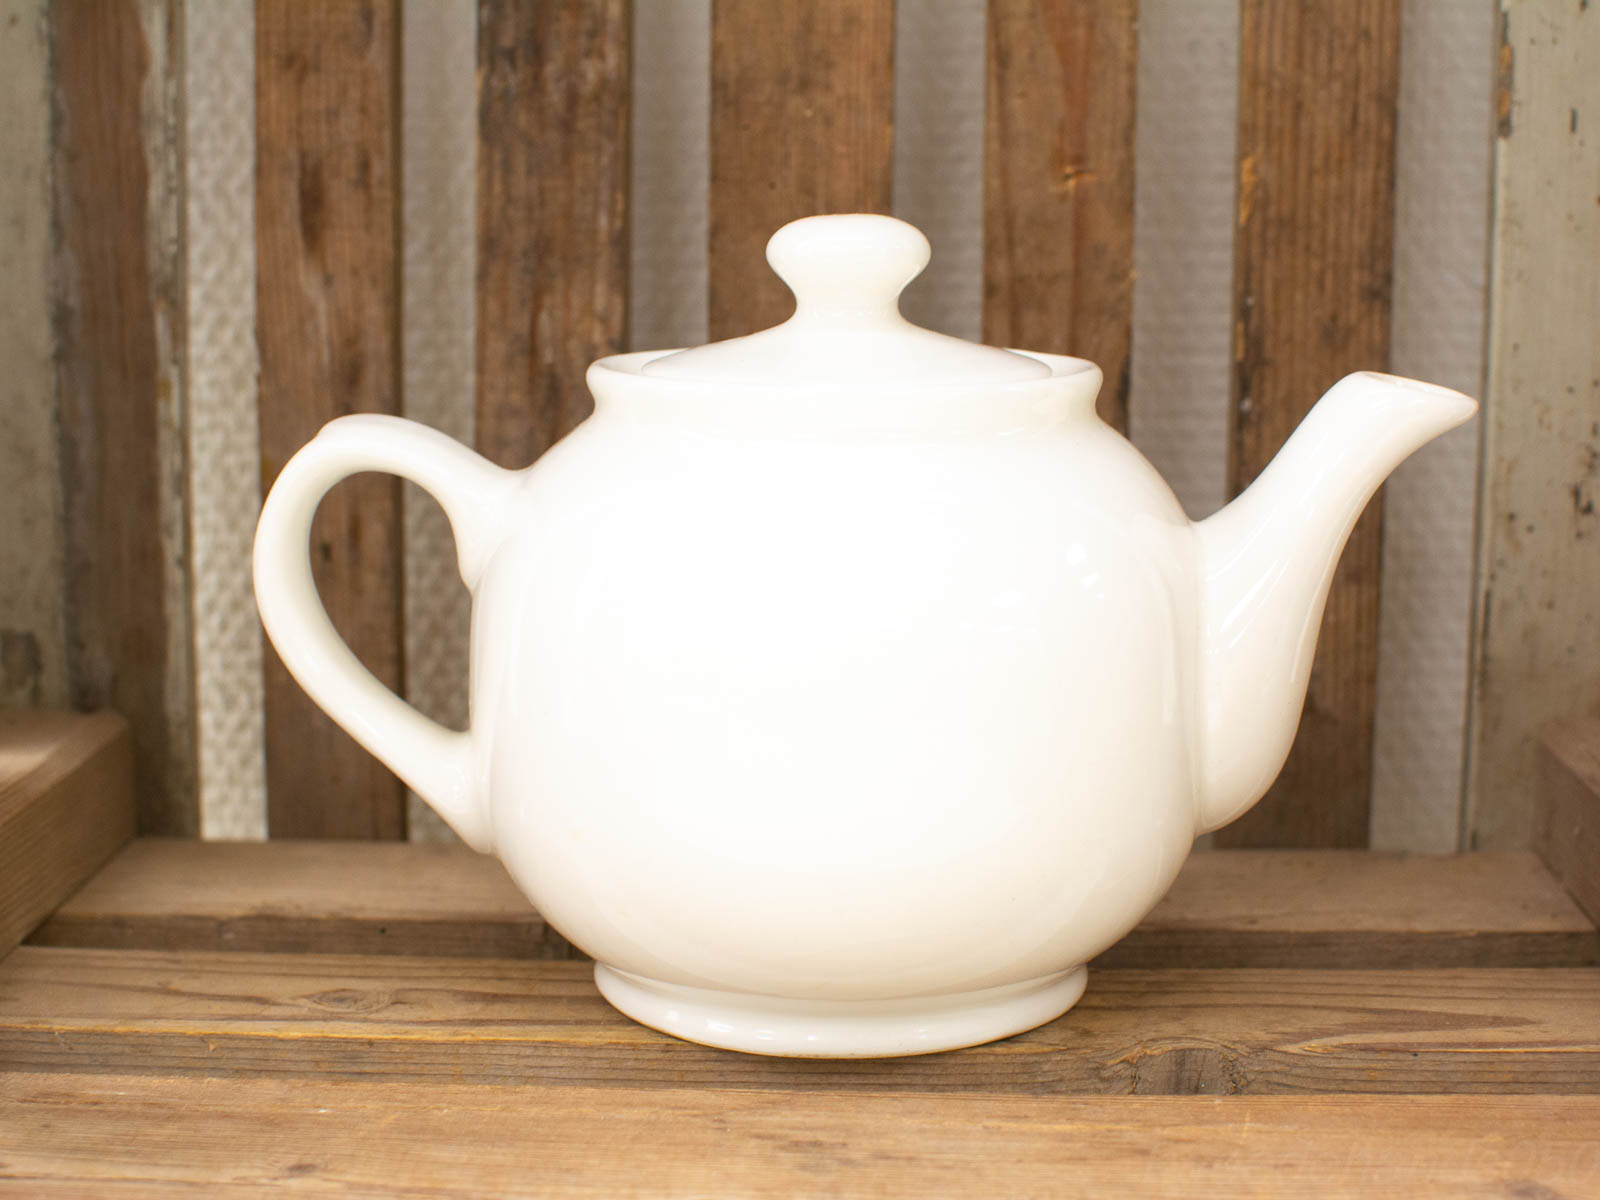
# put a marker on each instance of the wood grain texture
(1567, 826)
(553, 84)
(305, 897)
(119, 332)
(802, 122)
(89, 1134)
(504, 1021)
(327, 309)
(66, 805)
(1312, 278)
(1058, 183)
(1228, 908)
(33, 642)
(1536, 652)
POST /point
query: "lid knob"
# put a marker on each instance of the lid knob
(848, 265)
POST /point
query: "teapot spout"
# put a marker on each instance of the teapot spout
(1266, 562)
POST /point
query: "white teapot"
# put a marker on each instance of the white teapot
(844, 688)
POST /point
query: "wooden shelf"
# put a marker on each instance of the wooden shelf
(356, 1016)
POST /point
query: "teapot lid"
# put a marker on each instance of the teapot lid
(847, 272)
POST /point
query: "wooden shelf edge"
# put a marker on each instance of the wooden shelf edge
(493, 1021)
(1567, 824)
(66, 806)
(81, 1134)
(1242, 908)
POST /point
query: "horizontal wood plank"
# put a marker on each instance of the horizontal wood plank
(1567, 824)
(1228, 908)
(504, 1021)
(1358, 908)
(74, 1134)
(305, 897)
(66, 805)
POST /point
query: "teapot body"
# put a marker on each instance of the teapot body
(839, 717)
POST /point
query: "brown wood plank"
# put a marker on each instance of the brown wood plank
(1312, 273)
(66, 805)
(1058, 183)
(71, 1135)
(1357, 908)
(1567, 825)
(1227, 909)
(305, 897)
(119, 332)
(802, 122)
(503, 1020)
(553, 84)
(328, 308)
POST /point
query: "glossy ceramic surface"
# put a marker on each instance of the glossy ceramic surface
(843, 689)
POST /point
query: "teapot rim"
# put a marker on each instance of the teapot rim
(1066, 393)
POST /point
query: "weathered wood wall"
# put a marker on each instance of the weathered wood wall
(1538, 612)
(791, 125)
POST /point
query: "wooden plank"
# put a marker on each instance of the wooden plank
(66, 805)
(119, 332)
(71, 1135)
(802, 122)
(327, 306)
(305, 897)
(1567, 834)
(552, 214)
(33, 643)
(1538, 610)
(1312, 271)
(1058, 183)
(1357, 908)
(1227, 909)
(503, 1020)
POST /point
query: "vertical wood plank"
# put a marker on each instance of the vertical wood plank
(327, 304)
(1312, 275)
(33, 642)
(119, 334)
(1058, 183)
(552, 214)
(1537, 641)
(802, 122)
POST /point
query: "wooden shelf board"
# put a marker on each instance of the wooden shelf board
(227, 1137)
(1319, 908)
(1567, 824)
(507, 1020)
(66, 805)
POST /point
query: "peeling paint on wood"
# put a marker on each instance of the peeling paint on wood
(32, 637)
(1539, 553)
(119, 336)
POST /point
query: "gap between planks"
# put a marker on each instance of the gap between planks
(510, 1021)
(71, 1135)
(1228, 908)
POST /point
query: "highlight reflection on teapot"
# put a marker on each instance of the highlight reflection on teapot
(844, 688)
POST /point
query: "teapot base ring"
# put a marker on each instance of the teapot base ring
(795, 1028)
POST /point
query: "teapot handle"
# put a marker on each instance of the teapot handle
(436, 762)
